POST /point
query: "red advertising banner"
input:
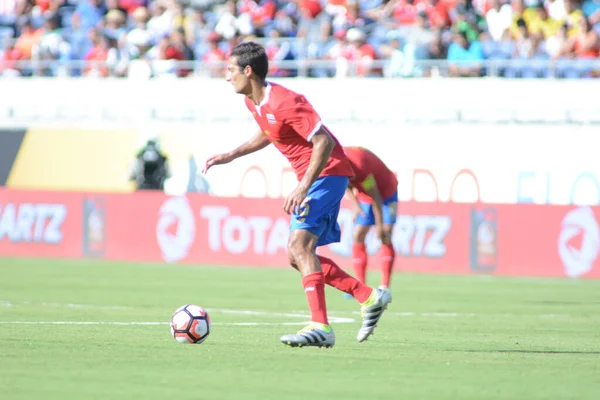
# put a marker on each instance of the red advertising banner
(451, 238)
(42, 224)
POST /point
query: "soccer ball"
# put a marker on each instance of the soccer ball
(190, 324)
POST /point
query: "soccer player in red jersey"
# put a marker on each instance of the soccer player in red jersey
(374, 192)
(289, 121)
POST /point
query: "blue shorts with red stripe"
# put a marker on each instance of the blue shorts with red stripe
(319, 212)
(389, 210)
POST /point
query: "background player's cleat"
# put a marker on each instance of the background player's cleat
(348, 296)
(371, 311)
(388, 289)
(311, 335)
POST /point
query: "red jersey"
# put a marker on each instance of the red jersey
(369, 169)
(290, 122)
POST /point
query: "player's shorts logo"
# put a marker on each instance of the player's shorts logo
(579, 241)
(175, 229)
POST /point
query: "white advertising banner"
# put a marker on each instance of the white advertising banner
(543, 164)
(493, 140)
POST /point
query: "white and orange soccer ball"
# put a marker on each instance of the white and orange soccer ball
(190, 324)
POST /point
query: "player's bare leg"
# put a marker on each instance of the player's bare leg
(388, 256)
(372, 309)
(359, 252)
(302, 256)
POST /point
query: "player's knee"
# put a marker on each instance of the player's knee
(359, 234)
(389, 229)
(298, 249)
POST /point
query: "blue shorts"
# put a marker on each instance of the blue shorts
(319, 213)
(389, 209)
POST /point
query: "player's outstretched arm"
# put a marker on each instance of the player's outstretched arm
(258, 142)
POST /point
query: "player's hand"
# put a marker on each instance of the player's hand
(356, 212)
(295, 199)
(216, 160)
(382, 234)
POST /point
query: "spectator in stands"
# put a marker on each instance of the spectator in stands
(162, 58)
(52, 46)
(99, 55)
(91, 12)
(79, 39)
(115, 5)
(466, 19)
(591, 9)
(501, 49)
(160, 21)
(559, 47)
(278, 51)
(585, 44)
(543, 24)
(260, 12)
(10, 10)
(438, 50)
(197, 29)
(140, 38)
(214, 56)
(9, 61)
(26, 42)
(523, 41)
(284, 23)
(115, 23)
(231, 21)
(572, 17)
(464, 58)
(360, 53)
(421, 29)
(398, 64)
(417, 37)
(179, 43)
(120, 58)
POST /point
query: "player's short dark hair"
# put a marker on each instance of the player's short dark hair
(254, 55)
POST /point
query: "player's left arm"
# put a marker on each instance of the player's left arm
(299, 114)
(323, 145)
(370, 186)
(355, 203)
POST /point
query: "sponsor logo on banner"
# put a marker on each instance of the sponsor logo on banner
(238, 234)
(175, 229)
(484, 239)
(431, 237)
(32, 222)
(94, 226)
(579, 241)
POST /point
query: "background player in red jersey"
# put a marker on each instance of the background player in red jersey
(375, 203)
(289, 121)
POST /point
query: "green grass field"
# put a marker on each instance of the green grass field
(443, 337)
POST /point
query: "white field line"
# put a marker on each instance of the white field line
(5, 303)
(453, 314)
(146, 323)
(305, 317)
(293, 314)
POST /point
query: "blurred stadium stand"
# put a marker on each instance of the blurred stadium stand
(308, 38)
